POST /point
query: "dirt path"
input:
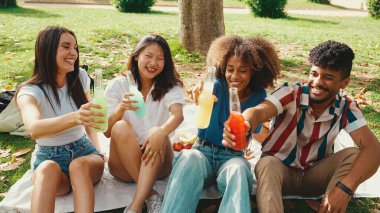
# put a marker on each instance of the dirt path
(339, 13)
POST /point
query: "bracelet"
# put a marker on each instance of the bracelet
(344, 188)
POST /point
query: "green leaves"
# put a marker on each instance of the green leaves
(136, 6)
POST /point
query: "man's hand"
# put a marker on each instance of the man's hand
(248, 153)
(335, 201)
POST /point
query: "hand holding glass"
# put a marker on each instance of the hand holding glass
(205, 100)
(141, 112)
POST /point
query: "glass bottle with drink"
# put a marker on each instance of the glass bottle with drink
(205, 100)
(141, 112)
(236, 120)
(100, 99)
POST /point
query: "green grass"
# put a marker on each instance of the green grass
(307, 5)
(106, 38)
(14, 143)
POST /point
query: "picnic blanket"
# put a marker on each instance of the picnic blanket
(111, 193)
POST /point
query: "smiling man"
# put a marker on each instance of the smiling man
(298, 155)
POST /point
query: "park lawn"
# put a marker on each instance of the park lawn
(106, 38)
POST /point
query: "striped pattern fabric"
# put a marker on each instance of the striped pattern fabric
(296, 137)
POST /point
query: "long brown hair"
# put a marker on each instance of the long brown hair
(259, 53)
(167, 79)
(45, 67)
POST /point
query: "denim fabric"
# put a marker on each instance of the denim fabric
(63, 155)
(202, 166)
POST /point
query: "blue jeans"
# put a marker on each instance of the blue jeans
(202, 166)
(63, 155)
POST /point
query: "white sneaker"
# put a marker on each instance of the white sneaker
(153, 203)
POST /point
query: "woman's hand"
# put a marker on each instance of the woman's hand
(126, 102)
(228, 140)
(155, 146)
(85, 115)
(228, 137)
(195, 91)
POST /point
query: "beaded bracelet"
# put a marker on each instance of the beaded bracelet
(344, 188)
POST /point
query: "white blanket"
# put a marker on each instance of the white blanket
(112, 194)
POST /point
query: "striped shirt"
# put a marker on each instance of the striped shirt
(296, 137)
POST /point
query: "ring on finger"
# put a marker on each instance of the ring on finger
(151, 153)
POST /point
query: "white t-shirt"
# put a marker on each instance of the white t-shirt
(67, 106)
(157, 111)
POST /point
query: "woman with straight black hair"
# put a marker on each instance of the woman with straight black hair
(140, 149)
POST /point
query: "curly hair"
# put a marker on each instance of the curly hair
(259, 53)
(333, 55)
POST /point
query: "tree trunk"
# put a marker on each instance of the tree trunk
(201, 21)
(7, 3)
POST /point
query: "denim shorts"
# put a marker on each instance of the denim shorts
(63, 155)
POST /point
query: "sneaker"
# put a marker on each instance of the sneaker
(153, 203)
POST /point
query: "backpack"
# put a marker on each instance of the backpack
(5, 99)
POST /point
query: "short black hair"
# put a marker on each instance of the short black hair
(333, 55)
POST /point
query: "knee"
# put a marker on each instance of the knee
(238, 166)
(48, 169)
(265, 166)
(236, 175)
(78, 166)
(190, 161)
(349, 154)
(121, 130)
(236, 170)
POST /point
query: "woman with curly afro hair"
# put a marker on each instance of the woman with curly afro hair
(250, 65)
